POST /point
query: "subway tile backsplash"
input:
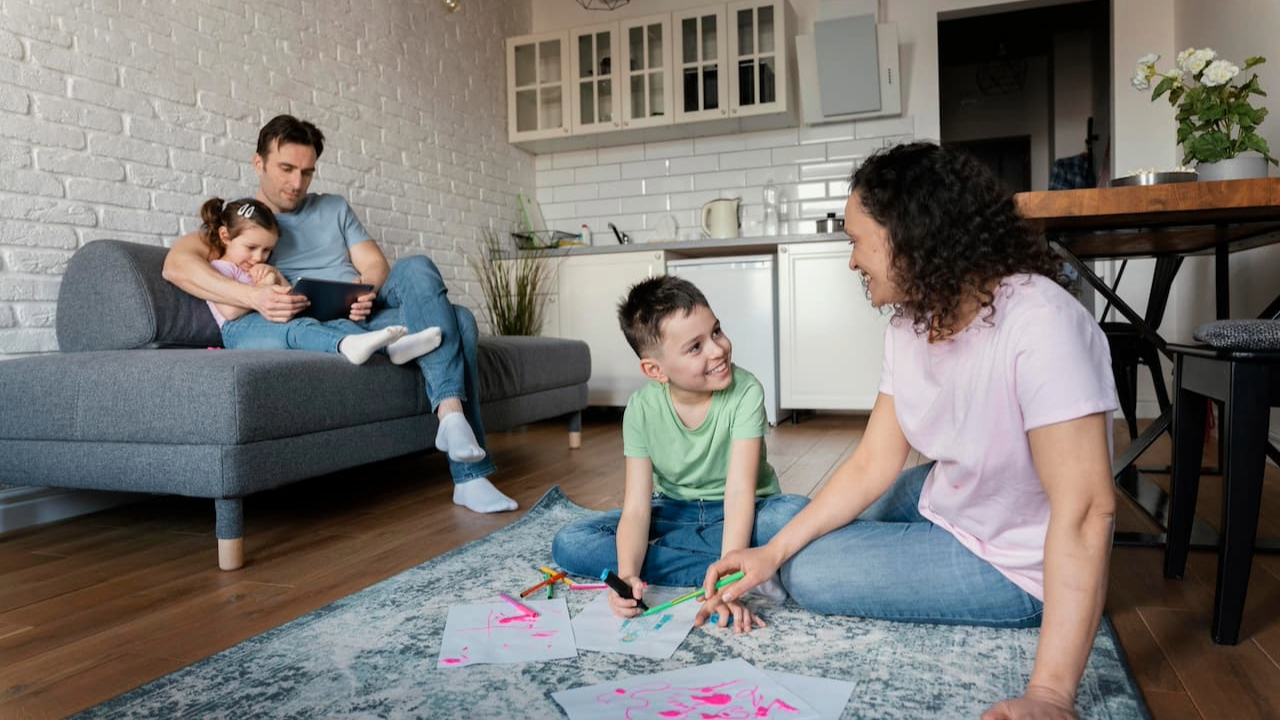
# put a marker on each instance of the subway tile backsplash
(637, 186)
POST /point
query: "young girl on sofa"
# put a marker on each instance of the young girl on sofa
(242, 233)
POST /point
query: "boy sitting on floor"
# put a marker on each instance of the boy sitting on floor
(698, 483)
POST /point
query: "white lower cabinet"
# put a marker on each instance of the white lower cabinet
(830, 339)
(590, 288)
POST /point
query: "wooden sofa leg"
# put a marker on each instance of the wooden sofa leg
(575, 430)
(229, 526)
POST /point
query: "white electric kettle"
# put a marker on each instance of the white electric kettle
(720, 218)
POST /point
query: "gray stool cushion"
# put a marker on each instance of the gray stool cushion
(1240, 334)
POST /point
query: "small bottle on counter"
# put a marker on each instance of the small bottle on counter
(585, 236)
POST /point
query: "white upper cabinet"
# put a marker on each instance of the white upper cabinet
(539, 104)
(589, 86)
(702, 85)
(597, 105)
(645, 72)
(758, 66)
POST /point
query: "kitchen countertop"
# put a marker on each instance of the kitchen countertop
(700, 248)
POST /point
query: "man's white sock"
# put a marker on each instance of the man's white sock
(359, 348)
(455, 437)
(411, 347)
(481, 496)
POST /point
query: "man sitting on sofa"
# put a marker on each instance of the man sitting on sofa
(320, 237)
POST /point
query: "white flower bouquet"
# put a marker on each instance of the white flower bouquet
(1216, 121)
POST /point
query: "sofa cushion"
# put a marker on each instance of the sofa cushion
(223, 397)
(114, 297)
(514, 365)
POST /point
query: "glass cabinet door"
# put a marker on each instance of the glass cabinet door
(595, 96)
(537, 101)
(646, 71)
(702, 86)
(757, 57)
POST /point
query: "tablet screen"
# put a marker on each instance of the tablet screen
(330, 299)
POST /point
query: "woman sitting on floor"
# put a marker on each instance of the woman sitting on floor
(999, 374)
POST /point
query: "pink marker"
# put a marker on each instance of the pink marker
(583, 586)
(524, 609)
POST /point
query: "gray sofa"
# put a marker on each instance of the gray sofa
(140, 399)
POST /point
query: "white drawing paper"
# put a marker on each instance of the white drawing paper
(828, 697)
(726, 689)
(499, 633)
(655, 636)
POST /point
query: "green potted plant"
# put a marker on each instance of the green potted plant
(1217, 124)
(514, 283)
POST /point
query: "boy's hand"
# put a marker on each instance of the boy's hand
(739, 615)
(623, 607)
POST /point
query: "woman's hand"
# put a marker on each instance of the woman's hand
(1038, 703)
(758, 564)
(726, 613)
(624, 607)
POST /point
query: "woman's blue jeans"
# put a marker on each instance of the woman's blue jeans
(415, 296)
(685, 537)
(254, 332)
(893, 564)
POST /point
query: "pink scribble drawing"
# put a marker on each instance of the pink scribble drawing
(730, 700)
(509, 631)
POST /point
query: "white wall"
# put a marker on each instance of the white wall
(118, 118)
(1072, 92)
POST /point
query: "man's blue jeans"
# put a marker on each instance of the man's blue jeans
(893, 564)
(254, 332)
(685, 537)
(415, 296)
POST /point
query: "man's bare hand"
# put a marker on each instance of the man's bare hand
(277, 303)
(363, 307)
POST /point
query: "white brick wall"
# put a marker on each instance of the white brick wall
(636, 186)
(118, 118)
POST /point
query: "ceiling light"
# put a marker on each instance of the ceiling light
(602, 4)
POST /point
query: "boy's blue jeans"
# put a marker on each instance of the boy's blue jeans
(893, 564)
(685, 537)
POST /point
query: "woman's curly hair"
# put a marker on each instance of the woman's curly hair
(953, 230)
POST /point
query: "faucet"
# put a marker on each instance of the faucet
(623, 238)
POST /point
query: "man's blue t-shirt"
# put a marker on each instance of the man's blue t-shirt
(315, 240)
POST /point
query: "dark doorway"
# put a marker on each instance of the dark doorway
(1009, 157)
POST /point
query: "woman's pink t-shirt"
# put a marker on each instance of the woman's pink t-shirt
(968, 403)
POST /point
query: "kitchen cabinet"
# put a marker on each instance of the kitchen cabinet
(590, 288)
(597, 102)
(702, 84)
(757, 57)
(539, 104)
(830, 338)
(645, 73)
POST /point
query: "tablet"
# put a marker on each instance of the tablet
(330, 299)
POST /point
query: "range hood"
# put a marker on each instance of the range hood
(848, 69)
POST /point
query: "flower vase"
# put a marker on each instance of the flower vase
(1241, 167)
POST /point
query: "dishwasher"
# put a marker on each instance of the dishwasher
(742, 292)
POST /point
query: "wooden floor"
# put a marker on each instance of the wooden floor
(94, 606)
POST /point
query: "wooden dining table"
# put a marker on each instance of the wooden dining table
(1167, 223)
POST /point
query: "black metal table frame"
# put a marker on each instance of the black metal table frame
(1148, 496)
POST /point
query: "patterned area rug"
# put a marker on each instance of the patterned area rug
(373, 654)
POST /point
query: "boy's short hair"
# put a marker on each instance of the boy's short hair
(649, 303)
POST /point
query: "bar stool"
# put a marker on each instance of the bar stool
(1240, 368)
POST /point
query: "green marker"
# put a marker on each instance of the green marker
(719, 584)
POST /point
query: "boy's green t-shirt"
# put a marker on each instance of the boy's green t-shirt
(693, 464)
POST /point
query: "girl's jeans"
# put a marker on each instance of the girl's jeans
(893, 564)
(684, 538)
